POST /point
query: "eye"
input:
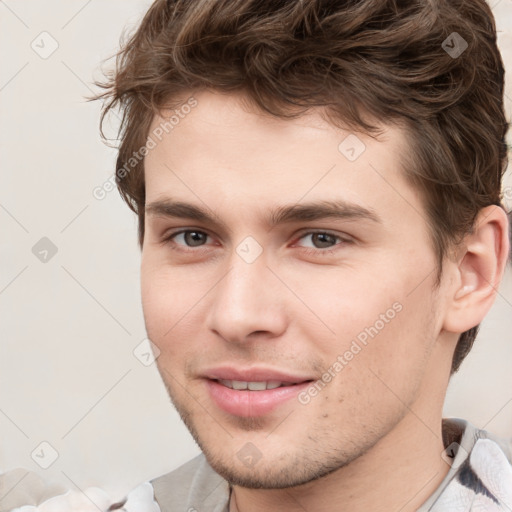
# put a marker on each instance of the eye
(321, 238)
(187, 238)
(323, 242)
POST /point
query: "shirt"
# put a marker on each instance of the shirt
(479, 479)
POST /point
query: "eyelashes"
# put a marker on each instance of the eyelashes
(336, 239)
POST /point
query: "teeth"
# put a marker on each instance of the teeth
(257, 386)
(253, 386)
(238, 384)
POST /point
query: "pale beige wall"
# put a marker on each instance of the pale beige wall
(68, 326)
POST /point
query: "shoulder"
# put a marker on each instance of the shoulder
(22, 490)
(192, 486)
(480, 477)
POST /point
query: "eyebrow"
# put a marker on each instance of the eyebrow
(338, 209)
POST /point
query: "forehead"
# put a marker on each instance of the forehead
(224, 150)
(220, 120)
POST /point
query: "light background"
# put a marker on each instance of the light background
(68, 375)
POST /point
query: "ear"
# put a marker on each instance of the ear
(478, 270)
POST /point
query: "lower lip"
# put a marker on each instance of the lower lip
(248, 403)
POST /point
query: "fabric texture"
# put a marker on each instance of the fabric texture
(479, 479)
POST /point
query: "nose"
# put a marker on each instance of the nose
(247, 303)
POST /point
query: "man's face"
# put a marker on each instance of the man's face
(350, 297)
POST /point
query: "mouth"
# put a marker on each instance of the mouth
(240, 385)
(237, 377)
(253, 398)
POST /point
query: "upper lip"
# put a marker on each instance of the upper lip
(255, 374)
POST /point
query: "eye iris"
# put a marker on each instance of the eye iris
(194, 238)
(324, 238)
(321, 240)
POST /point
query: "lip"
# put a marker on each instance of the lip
(248, 403)
(254, 374)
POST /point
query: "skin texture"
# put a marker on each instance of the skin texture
(371, 438)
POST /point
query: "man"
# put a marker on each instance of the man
(318, 192)
(322, 233)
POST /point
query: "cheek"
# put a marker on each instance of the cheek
(347, 304)
(387, 326)
(167, 300)
(374, 382)
(391, 364)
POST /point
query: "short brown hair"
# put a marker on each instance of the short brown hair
(431, 66)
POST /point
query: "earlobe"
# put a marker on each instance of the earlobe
(479, 271)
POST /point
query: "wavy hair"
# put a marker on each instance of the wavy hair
(430, 66)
